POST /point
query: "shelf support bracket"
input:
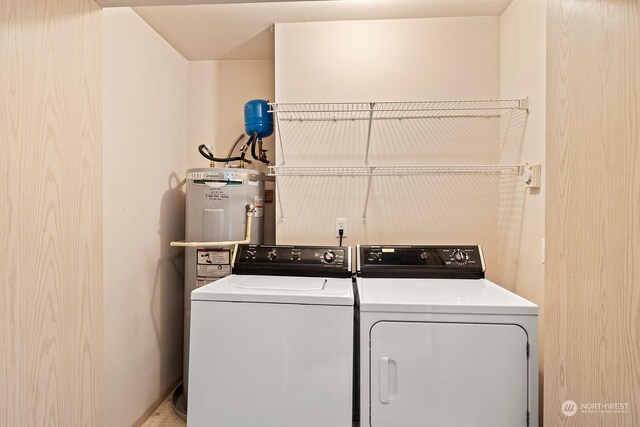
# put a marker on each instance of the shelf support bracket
(279, 201)
(366, 200)
(280, 138)
(532, 175)
(524, 104)
(366, 157)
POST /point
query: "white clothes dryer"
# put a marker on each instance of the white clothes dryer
(440, 345)
(272, 344)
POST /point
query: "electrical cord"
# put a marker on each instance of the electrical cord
(341, 233)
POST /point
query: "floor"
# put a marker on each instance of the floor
(164, 416)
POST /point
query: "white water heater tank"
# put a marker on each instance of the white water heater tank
(216, 211)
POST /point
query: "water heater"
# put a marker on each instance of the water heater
(219, 204)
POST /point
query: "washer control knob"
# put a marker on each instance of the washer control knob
(460, 256)
(329, 256)
(295, 256)
(374, 256)
(272, 255)
(251, 253)
(424, 256)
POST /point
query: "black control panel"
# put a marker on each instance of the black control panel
(431, 262)
(281, 260)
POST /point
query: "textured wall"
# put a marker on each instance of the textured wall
(592, 293)
(50, 213)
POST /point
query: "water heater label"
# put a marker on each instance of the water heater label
(214, 256)
(211, 272)
(212, 264)
(259, 204)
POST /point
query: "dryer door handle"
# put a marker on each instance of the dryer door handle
(388, 379)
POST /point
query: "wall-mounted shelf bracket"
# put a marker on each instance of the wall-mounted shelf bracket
(366, 156)
(532, 175)
(366, 200)
(524, 104)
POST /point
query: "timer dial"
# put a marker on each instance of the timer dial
(329, 256)
(460, 256)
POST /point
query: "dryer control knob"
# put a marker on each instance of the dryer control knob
(272, 255)
(460, 256)
(424, 256)
(329, 256)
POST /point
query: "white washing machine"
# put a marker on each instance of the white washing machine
(440, 346)
(272, 344)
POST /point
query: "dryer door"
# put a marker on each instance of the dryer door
(448, 374)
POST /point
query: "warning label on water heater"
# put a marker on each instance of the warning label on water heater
(214, 256)
(211, 265)
(259, 204)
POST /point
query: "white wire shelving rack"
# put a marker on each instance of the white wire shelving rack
(405, 170)
(374, 111)
(340, 111)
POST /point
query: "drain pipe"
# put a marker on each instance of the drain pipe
(247, 234)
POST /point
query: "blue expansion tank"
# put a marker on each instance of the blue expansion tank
(257, 118)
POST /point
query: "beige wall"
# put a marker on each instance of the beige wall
(50, 213)
(388, 60)
(145, 140)
(522, 74)
(592, 294)
(218, 91)
(521, 220)
(441, 58)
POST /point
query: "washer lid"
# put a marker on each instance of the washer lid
(278, 289)
(473, 296)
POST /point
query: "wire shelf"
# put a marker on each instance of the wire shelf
(345, 111)
(372, 111)
(409, 170)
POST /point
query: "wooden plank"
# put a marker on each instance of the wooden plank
(592, 291)
(50, 213)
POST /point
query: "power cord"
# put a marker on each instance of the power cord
(341, 233)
